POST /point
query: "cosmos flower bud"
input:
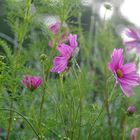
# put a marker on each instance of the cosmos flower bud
(31, 82)
(43, 57)
(131, 110)
(108, 6)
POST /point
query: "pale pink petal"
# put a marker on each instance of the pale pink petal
(130, 33)
(132, 44)
(127, 90)
(131, 39)
(134, 133)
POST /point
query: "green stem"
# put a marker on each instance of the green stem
(72, 109)
(17, 58)
(104, 18)
(109, 120)
(122, 127)
(11, 110)
(62, 85)
(111, 94)
(79, 109)
(59, 112)
(13, 91)
(10, 121)
(77, 65)
(40, 114)
(94, 122)
(107, 101)
(63, 97)
(12, 99)
(42, 101)
(102, 110)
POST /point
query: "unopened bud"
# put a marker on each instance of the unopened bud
(108, 6)
(131, 110)
(43, 57)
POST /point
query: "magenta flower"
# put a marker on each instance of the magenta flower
(125, 74)
(131, 39)
(31, 82)
(54, 28)
(134, 133)
(61, 62)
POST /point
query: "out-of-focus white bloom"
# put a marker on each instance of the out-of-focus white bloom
(106, 10)
(131, 9)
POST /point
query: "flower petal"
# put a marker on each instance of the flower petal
(131, 81)
(132, 44)
(117, 60)
(55, 27)
(59, 64)
(31, 82)
(65, 50)
(73, 41)
(127, 90)
(128, 68)
(131, 33)
(134, 133)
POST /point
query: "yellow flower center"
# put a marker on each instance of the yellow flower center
(119, 73)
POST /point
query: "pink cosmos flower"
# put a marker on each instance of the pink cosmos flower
(31, 82)
(134, 133)
(61, 62)
(125, 74)
(131, 39)
(55, 27)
